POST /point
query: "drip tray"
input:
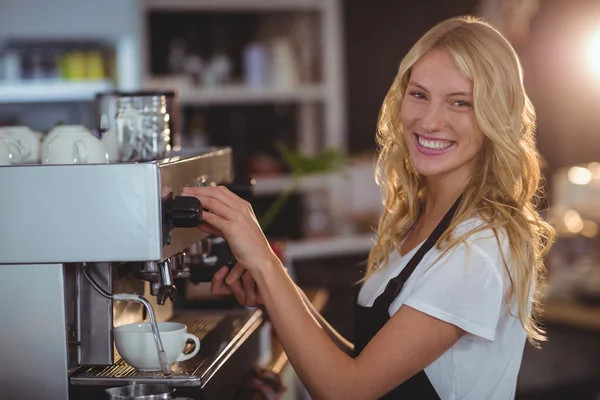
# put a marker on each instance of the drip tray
(183, 373)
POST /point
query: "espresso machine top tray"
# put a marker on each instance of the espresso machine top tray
(101, 212)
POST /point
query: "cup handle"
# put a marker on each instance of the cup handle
(25, 150)
(80, 152)
(15, 144)
(193, 338)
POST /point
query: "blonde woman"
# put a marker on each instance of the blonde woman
(449, 296)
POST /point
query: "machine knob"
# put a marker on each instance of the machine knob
(186, 212)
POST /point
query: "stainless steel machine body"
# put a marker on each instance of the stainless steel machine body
(99, 212)
(116, 222)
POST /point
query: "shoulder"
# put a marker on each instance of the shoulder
(478, 237)
(479, 253)
(465, 284)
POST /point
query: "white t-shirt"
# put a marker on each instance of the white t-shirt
(465, 288)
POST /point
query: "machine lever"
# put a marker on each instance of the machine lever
(186, 212)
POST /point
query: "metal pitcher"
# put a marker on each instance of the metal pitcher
(142, 391)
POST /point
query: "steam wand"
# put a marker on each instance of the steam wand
(162, 355)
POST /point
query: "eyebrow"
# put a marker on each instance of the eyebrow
(450, 94)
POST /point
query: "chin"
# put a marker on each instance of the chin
(428, 172)
(426, 167)
(430, 168)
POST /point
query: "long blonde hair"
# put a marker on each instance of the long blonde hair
(506, 188)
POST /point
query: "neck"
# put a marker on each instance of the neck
(440, 195)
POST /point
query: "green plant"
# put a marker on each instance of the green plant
(329, 161)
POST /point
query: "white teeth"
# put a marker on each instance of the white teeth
(434, 144)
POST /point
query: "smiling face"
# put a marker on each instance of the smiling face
(438, 120)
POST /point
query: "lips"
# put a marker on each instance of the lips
(430, 146)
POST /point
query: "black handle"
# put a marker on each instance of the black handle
(220, 255)
(206, 273)
(186, 212)
(221, 250)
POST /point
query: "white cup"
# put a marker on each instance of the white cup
(29, 141)
(136, 345)
(57, 130)
(72, 145)
(17, 151)
(4, 154)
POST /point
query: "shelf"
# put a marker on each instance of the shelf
(328, 247)
(572, 313)
(265, 186)
(239, 94)
(233, 5)
(49, 91)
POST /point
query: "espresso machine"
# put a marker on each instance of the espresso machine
(85, 248)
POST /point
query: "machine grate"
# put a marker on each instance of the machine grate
(121, 372)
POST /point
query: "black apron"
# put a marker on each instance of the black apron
(369, 320)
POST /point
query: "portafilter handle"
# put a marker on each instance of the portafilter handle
(220, 256)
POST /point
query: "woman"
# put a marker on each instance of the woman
(446, 304)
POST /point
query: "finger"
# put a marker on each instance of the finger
(226, 192)
(217, 285)
(219, 193)
(222, 202)
(249, 288)
(234, 283)
(210, 229)
(236, 273)
(215, 221)
(215, 205)
(238, 201)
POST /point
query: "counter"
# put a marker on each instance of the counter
(572, 313)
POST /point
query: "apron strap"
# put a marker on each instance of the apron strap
(395, 284)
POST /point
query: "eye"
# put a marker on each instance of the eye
(418, 95)
(461, 103)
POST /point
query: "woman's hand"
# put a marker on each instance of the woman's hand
(240, 283)
(232, 218)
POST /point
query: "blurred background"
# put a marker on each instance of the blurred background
(295, 86)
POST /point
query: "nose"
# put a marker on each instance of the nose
(434, 118)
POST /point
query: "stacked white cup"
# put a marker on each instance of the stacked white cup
(22, 144)
(72, 144)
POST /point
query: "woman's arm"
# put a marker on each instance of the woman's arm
(246, 293)
(333, 334)
(407, 343)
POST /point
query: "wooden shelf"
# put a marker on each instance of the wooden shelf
(265, 186)
(328, 247)
(52, 90)
(239, 94)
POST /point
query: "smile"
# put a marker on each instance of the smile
(431, 145)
